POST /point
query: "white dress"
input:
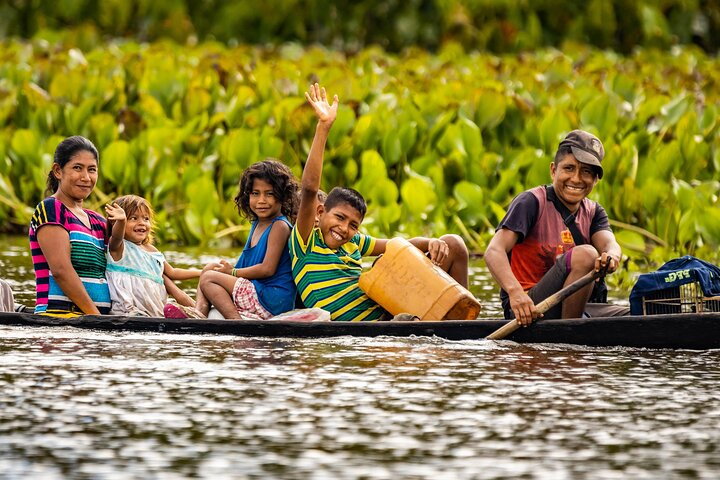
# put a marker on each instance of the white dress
(136, 282)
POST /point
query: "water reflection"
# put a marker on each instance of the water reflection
(85, 404)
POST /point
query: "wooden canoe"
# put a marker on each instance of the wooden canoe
(685, 331)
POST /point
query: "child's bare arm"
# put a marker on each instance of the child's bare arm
(312, 173)
(380, 245)
(180, 273)
(437, 248)
(277, 242)
(174, 291)
(116, 245)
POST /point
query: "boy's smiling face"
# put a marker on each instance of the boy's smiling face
(339, 224)
(572, 181)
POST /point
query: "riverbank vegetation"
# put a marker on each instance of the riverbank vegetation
(437, 141)
(498, 26)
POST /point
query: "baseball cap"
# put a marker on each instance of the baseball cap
(586, 147)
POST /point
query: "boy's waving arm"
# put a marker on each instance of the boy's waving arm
(312, 173)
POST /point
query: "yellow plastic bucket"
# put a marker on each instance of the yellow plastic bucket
(404, 280)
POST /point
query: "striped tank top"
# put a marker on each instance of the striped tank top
(87, 255)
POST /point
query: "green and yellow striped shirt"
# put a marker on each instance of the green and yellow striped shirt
(328, 279)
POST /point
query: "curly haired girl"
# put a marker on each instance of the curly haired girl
(260, 285)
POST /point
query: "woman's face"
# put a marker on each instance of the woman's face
(78, 177)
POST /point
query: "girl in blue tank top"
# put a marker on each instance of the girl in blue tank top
(260, 285)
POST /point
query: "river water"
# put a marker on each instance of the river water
(97, 405)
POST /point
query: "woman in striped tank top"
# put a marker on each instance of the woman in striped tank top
(67, 241)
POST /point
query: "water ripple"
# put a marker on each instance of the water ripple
(98, 405)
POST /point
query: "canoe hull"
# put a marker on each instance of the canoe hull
(686, 331)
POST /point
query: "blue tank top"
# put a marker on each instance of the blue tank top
(277, 292)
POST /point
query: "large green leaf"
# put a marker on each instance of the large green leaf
(387, 215)
(407, 134)
(344, 123)
(269, 145)
(630, 240)
(116, 161)
(418, 195)
(391, 147)
(602, 114)
(242, 147)
(451, 141)
(490, 109)
(675, 109)
(471, 204)
(25, 145)
(386, 193)
(103, 129)
(708, 223)
(468, 194)
(471, 139)
(365, 133)
(708, 119)
(553, 126)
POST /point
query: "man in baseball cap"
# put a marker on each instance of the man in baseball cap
(553, 234)
(586, 148)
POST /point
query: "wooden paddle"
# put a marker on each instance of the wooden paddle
(548, 303)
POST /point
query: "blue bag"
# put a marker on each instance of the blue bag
(672, 275)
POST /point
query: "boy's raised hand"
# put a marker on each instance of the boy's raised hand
(317, 98)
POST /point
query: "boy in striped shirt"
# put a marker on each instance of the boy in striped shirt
(326, 259)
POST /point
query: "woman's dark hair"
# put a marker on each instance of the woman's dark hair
(67, 149)
(283, 182)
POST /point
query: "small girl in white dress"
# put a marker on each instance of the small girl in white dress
(138, 275)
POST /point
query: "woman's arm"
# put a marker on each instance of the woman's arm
(54, 242)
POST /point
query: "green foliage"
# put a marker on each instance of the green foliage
(436, 143)
(490, 25)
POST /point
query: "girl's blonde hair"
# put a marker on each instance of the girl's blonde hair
(133, 204)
